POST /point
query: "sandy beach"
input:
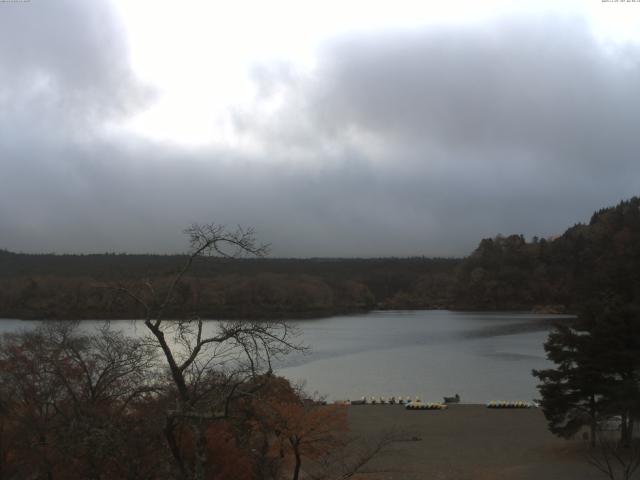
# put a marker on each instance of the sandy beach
(470, 442)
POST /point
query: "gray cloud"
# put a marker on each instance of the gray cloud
(522, 125)
(64, 66)
(399, 143)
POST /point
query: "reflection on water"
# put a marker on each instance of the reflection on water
(481, 356)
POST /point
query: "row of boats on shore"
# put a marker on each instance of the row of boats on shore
(397, 400)
(417, 404)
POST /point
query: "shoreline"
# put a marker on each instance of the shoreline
(294, 316)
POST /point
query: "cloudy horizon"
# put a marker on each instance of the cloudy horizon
(333, 134)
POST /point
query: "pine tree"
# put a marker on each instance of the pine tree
(597, 371)
(571, 392)
(617, 332)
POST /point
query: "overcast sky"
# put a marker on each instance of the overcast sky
(333, 128)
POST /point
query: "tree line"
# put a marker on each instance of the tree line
(72, 286)
(502, 273)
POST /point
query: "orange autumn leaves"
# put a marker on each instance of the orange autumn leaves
(303, 430)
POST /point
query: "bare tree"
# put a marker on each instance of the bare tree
(210, 364)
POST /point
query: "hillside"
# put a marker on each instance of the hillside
(598, 258)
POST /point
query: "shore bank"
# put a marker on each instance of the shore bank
(469, 442)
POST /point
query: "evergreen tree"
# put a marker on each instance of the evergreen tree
(597, 371)
(571, 392)
(616, 330)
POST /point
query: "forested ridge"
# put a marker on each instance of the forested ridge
(78, 286)
(503, 273)
(602, 256)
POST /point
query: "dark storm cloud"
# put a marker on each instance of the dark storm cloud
(399, 143)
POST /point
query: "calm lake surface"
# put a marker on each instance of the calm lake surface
(432, 353)
(428, 353)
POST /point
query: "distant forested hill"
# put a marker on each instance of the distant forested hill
(503, 273)
(75, 286)
(600, 258)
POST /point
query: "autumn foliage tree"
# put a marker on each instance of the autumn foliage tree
(289, 432)
(307, 430)
(72, 405)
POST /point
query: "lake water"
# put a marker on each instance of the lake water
(481, 356)
(426, 353)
